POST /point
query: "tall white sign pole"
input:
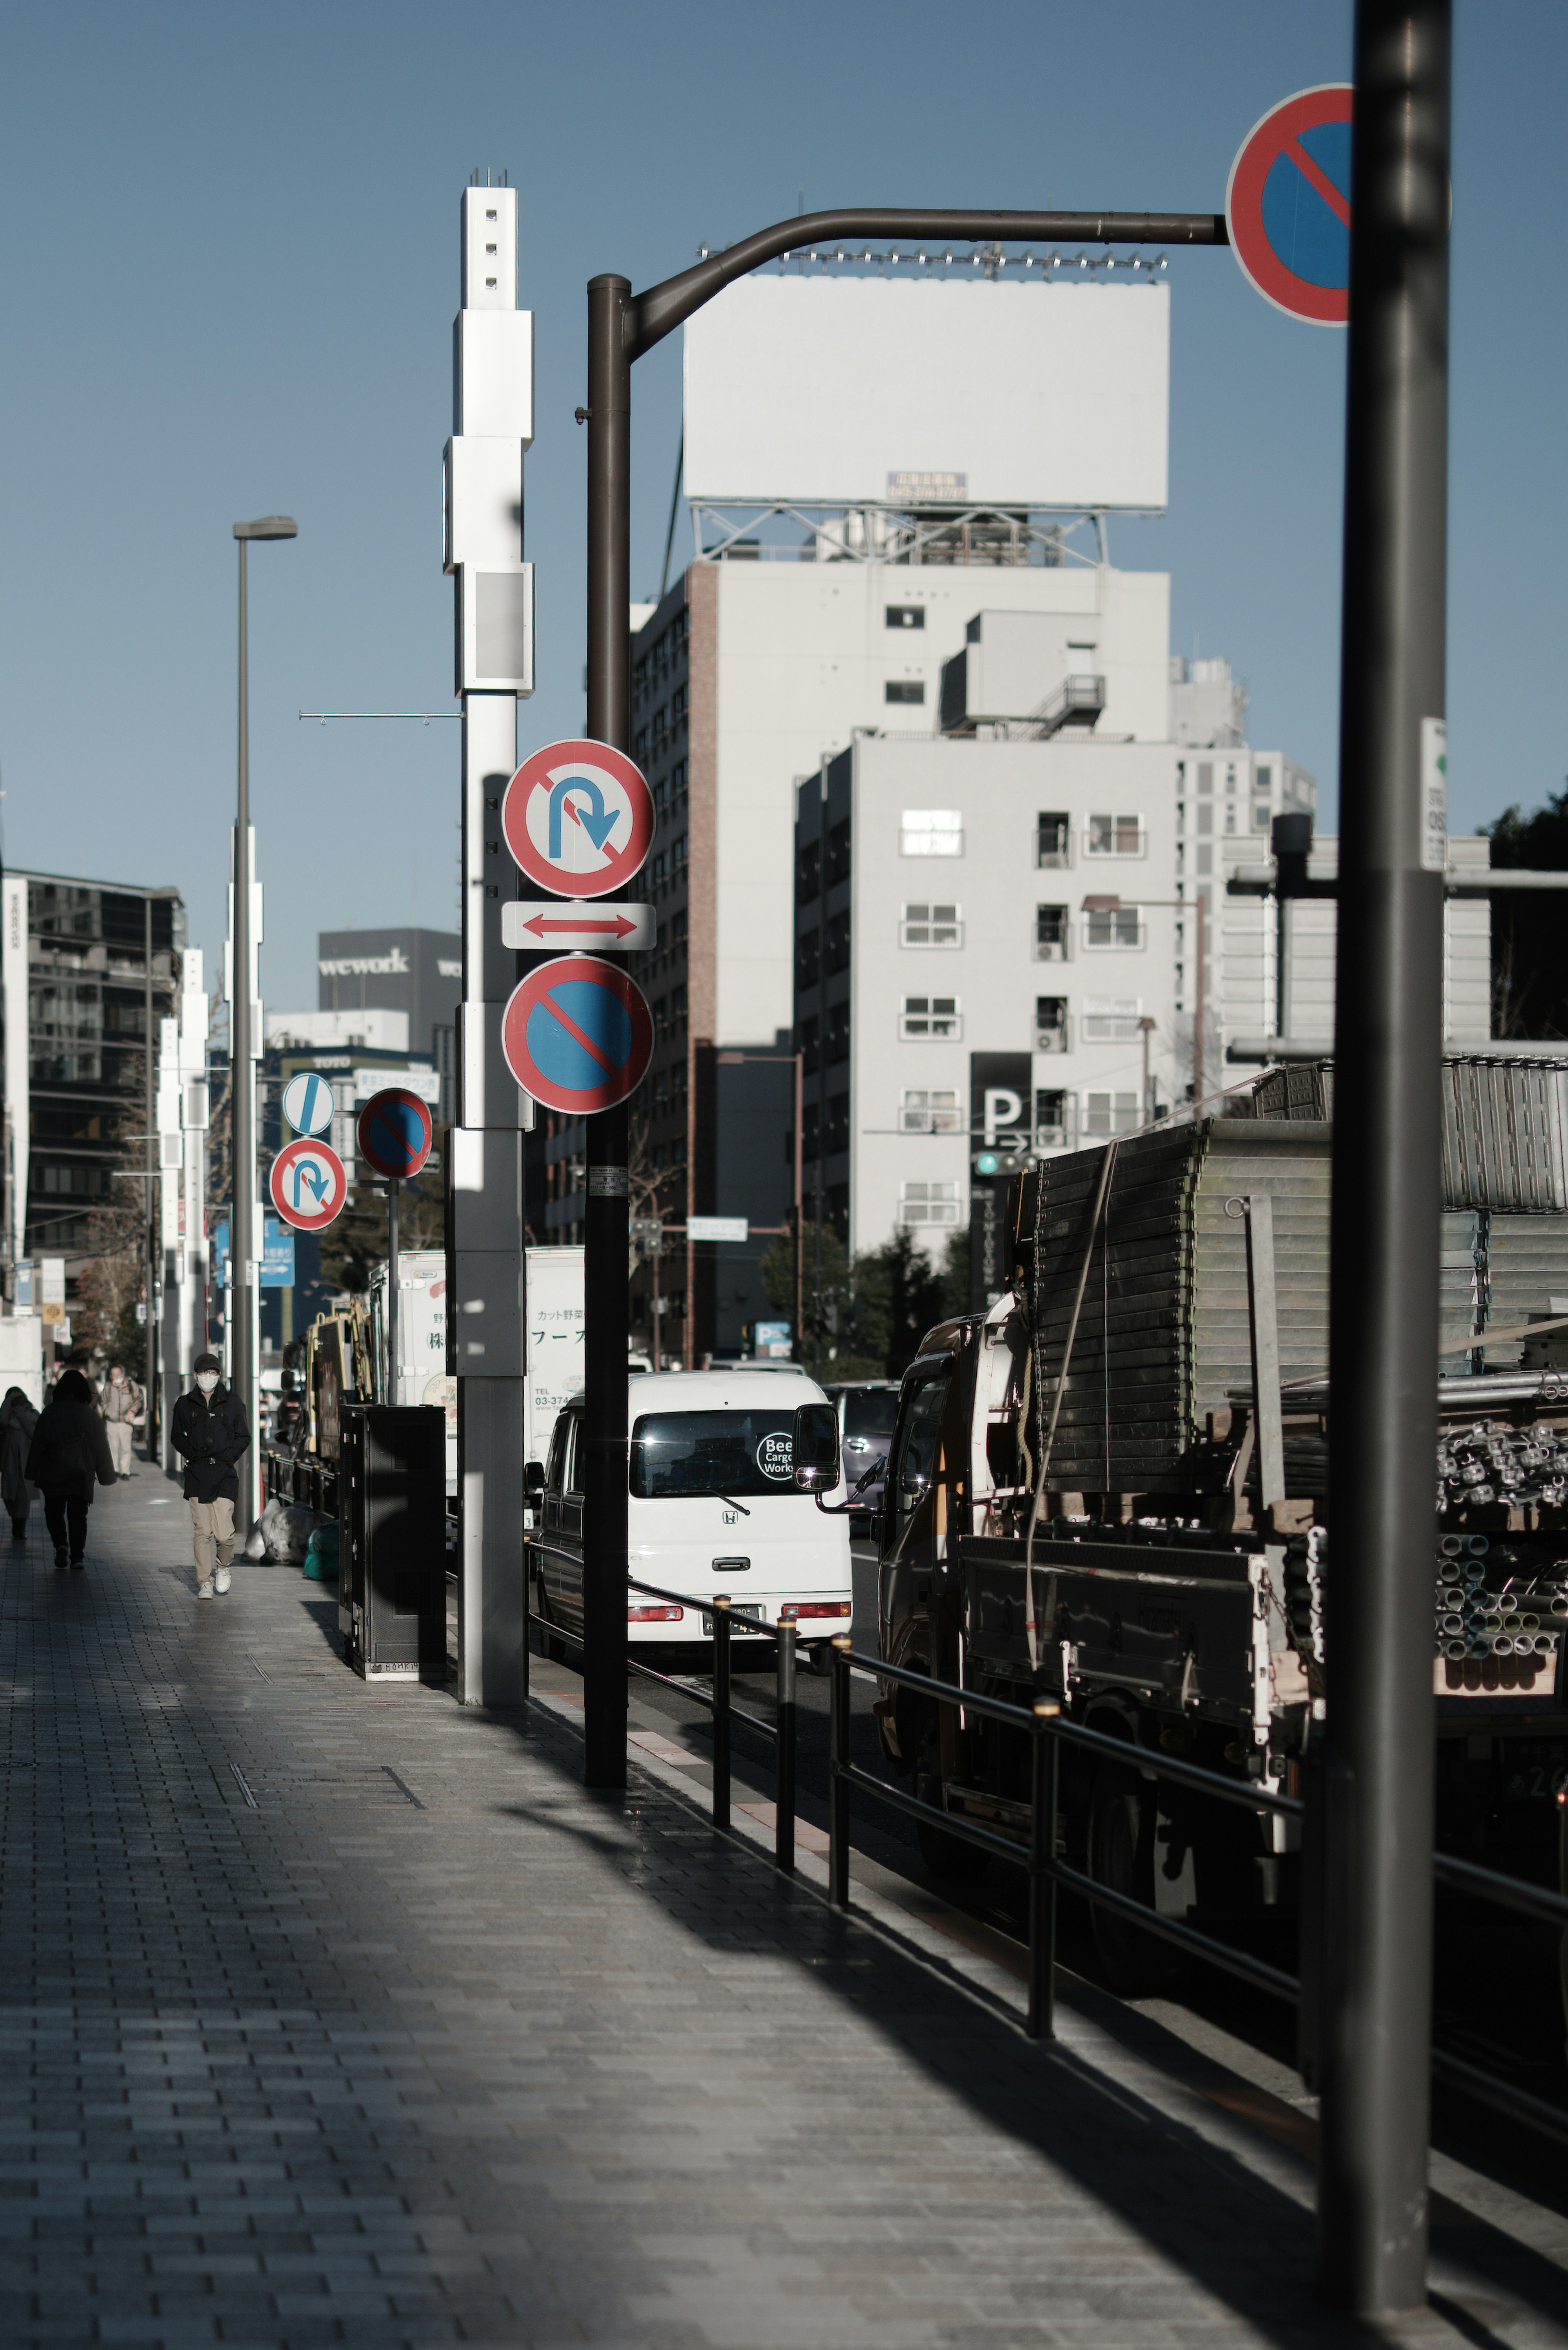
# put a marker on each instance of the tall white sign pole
(492, 425)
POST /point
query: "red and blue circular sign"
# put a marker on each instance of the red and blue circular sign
(394, 1133)
(578, 1036)
(579, 818)
(1287, 206)
(309, 1183)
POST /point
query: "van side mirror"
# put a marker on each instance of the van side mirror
(814, 1448)
(534, 1477)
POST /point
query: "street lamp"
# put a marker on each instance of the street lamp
(242, 1086)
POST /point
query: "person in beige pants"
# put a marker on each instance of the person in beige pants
(119, 1400)
(210, 1428)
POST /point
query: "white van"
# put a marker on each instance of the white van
(713, 1510)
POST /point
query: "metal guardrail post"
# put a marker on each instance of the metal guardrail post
(783, 1754)
(1043, 1752)
(837, 1784)
(720, 1713)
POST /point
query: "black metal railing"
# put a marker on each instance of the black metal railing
(1045, 1725)
(726, 1620)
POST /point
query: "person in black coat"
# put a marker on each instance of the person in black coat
(68, 1453)
(210, 1428)
(18, 1418)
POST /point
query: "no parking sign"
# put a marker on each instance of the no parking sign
(1287, 205)
(578, 1036)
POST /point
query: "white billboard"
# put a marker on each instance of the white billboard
(844, 390)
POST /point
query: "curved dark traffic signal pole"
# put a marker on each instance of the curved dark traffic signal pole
(622, 327)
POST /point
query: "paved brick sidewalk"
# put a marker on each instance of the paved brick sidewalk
(336, 2014)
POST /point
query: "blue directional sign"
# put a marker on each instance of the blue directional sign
(308, 1103)
(277, 1254)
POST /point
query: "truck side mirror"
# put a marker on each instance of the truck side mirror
(814, 1448)
(534, 1477)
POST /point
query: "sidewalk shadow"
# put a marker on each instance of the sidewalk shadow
(1236, 2232)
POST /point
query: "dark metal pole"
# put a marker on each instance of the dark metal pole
(837, 1785)
(784, 1753)
(720, 1713)
(392, 1291)
(242, 1136)
(1042, 2023)
(605, 1231)
(1378, 1811)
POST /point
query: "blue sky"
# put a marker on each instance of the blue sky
(230, 268)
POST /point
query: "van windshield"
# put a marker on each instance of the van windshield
(734, 1452)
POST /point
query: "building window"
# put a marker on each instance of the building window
(930, 1015)
(1263, 781)
(1050, 1024)
(1052, 1119)
(906, 616)
(1113, 835)
(1110, 1019)
(838, 954)
(678, 856)
(927, 1203)
(1051, 836)
(838, 853)
(1110, 1112)
(1050, 934)
(930, 832)
(930, 926)
(678, 704)
(837, 1033)
(808, 871)
(928, 1110)
(807, 1037)
(808, 958)
(1206, 774)
(1260, 816)
(904, 689)
(639, 746)
(1112, 926)
(1229, 819)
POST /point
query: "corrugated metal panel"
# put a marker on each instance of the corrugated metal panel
(1505, 1126)
(1163, 1339)
(1164, 1336)
(1505, 1135)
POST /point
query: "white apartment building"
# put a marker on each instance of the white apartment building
(983, 927)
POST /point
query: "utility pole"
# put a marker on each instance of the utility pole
(1375, 1802)
(492, 426)
(622, 327)
(149, 1200)
(245, 1011)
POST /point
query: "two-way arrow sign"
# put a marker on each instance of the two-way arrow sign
(559, 925)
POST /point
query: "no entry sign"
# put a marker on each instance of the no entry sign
(577, 1034)
(1287, 206)
(394, 1133)
(579, 818)
(307, 1184)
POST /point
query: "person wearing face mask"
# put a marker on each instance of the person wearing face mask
(119, 1400)
(209, 1426)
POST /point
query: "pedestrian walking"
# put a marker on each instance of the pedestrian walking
(68, 1455)
(120, 1401)
(18, 1418)
(210, 1428)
